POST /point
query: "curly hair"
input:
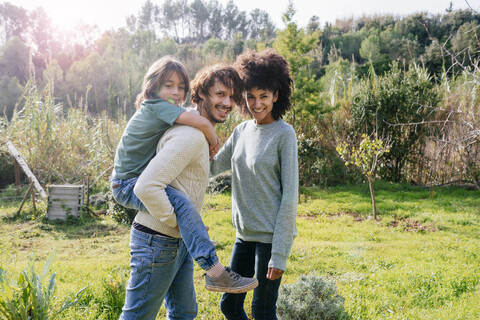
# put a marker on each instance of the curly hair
(266, 70)
(206, 77)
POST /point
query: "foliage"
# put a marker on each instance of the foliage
(297, 46)
(83, 145)
(311, 297)
(30, 297)
(121, 214)
(382, 103)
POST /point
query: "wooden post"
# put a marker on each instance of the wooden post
(16, 168)
(25, 198)
(26, 169)
(32, 192)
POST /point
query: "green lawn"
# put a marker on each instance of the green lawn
(419, 260)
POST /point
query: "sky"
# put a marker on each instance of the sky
(108, 14)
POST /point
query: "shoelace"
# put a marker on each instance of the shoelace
(232, 274)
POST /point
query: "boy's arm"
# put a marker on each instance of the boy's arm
(195, 120)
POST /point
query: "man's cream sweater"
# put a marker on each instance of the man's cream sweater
(181, 162)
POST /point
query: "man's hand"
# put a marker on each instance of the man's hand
(274, 273)
(214, 149)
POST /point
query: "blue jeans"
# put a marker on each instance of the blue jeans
(162, 270)
(189, 221)
(249, 258)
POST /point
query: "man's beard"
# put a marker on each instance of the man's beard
(207, 108)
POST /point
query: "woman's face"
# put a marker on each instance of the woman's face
(172, 90)
(260, 103)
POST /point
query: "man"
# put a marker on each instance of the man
(162, 267)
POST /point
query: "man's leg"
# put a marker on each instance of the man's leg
(180, 300)
(153, 271)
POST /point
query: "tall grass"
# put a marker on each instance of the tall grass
(61, 145)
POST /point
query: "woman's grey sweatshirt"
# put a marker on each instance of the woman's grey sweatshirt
(264, 164)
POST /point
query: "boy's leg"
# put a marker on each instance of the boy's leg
(122, 191)
(192, 229)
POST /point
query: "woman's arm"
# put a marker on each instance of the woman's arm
(223, 160)
(285, 224)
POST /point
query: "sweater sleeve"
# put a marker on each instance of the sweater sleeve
(223, 159)
(175, 152)
(285, 225)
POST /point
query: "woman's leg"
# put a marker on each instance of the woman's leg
(242, 262)
(192, 229)
(155, 263)
(264, 302)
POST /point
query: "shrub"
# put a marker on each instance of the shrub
(312, 297)
(121, 214)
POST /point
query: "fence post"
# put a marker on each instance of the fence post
(16, 168)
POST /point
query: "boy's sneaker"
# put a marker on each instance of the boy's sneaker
(231, 282)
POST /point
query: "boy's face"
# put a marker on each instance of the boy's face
(219, 102)
(173, 90)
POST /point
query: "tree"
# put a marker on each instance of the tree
(13, 22)
(297, 46)
(365, 155)
(14, 60)
(261, 26)
(234, 20)
(200, 15)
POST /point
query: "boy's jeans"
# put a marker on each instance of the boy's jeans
(189, 221)
(162, 270)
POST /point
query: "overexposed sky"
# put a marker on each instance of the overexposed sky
(112, 13)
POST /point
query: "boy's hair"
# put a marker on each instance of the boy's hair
(267, 70)
(156, 76)
(206, 78)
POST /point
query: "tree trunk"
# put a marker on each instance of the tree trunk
(374, 204)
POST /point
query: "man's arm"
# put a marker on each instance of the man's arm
(176, 150)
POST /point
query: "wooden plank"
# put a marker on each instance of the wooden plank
(26, 169)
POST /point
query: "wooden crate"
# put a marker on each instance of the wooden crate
(64, 200)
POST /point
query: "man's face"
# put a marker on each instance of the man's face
(219, 102)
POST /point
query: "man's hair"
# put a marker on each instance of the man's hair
(206, 78)
(266, 70)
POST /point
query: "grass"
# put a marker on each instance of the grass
(420, 260)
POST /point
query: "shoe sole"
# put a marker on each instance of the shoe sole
(243, 289)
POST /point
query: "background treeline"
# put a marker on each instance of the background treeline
(411, 80)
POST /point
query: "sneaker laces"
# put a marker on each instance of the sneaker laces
(232, 274)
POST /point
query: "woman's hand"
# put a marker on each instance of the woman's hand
(274, 273)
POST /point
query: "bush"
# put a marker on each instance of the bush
(121, 214)
(312, 297)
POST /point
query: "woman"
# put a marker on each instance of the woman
(262, 154)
